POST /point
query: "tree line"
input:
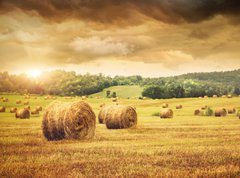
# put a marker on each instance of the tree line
(64, 83)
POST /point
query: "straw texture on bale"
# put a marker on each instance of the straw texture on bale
(39, 108)
(231, 110)
(102, 114)
(179, 106)
(13, 110)
(220, 112)
(120, 117)
(2, 109)
(166, 113)
(35, 111)
(68, 120)
(165, 105)
(23, 114)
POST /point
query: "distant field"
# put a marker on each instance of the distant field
(122, 91)
(184, 146)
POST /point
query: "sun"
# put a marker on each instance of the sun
(34, 73)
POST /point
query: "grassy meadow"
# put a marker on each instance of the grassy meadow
(184, 146)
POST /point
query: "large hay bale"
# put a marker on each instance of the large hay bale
(120, 117)
(18, 102)
(231, 110)
(35, 111)
(68, 120)
(23, 114)
(103, 113)
(39, 108)
(179, 106)
(215, 96)
(2, 109)
(13, 110)
(220, 112)
(166, 113)
(164, 105)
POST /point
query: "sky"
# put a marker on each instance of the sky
(151, 38)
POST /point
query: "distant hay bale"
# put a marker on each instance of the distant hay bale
(84, 97)
(120, 117)
(198, 112)
(1, 97)
(5, 100)
(206, 96)
(179, 106)
(114, 99)
(231, 110)
(229, 96)
(204, 107)
(238, 114)
(35, 111)
(220, 112)
(23, 114)
(2, 109)
(13, 110)
(26, 102)
(18, 102)
(224, 96)
(74, 120)
(199, 97)
(102, 105)
(27, 107)
(214, 96)
(39, 108)
(164, 105)
(166, 113)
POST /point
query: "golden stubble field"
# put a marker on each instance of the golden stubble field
(184, 146)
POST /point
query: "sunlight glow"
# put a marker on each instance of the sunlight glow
(34, 73)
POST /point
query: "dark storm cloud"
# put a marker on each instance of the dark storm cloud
(117, 11)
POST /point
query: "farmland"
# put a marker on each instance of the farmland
(184, 146)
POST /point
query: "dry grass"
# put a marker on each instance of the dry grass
(185, 146)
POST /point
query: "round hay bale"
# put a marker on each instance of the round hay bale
(229, 96)
(231, 110)
(179, 106)
(204, 107)
(102, 105)
(27, 107)
(23, 114)
(102, 114)
(206, 96)
(35, 111)
(26, 102)
(1, 97)
(224, 96)
(215, 96)
(74, 120)
(166, 113)
(84, 97)
(114, 99)
(121, 117)
(164, 105)
(18, 102)
(13, 110)
(198, 112)
(5, 100)
(220, 112)
(39, 108)
(2, 109)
